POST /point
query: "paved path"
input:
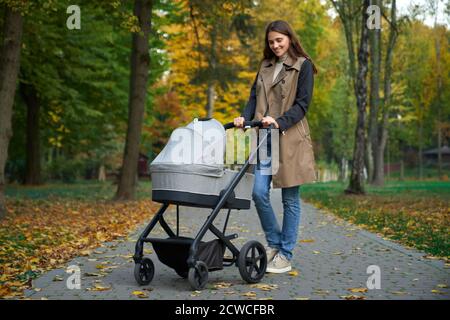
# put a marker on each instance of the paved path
(331, 258)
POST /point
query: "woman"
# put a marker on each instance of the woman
(280, 95)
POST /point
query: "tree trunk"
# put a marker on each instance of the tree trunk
(375, 61)
(9, 68)
(356, 185)
(33, 154)
(437, 46)
(140, 61)
(421, 146)
(383, 131)
(210, 106)
(211, 92)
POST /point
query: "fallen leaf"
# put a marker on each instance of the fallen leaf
(91, 274)
(321, 292)
(140, 294)
(249, 294)
(307, 240)
(359, 290)
(293, 273)
(264, 287)
(353, 297)
(229, 292)
(98, 287)
(85, 253)
(400, 293)
(437, 291)
(222, 285)
(58, 278)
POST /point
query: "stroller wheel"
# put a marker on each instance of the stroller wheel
(182, 273)
(198, 275)
(144, 271)
(252, 262)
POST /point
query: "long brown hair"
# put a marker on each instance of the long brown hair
(295, 48)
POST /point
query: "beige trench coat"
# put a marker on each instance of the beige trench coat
(296, 156)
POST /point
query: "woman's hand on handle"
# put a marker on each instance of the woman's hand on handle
(239, 122)
(267, 121)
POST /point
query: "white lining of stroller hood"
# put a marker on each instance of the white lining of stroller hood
(197, 148)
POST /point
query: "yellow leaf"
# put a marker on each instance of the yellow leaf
(316, 252)
(98, 287)
(85, 253)
(354, 290)
(293, 273)
(140, 294)
(437, 291)
(222, 285)
(400, 293)
(353, 297)
(264, 287)
(307, 240)
(249, 294)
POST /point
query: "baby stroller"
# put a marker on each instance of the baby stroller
(202, 185)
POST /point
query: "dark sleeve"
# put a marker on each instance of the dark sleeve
(302, 100)
(249, 111)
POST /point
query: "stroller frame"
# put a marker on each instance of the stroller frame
(198, 270)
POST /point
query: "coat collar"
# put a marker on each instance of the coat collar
(268, 68)
(289, 62)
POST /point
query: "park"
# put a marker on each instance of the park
(85, 111)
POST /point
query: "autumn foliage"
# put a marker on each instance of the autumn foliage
(40, 235)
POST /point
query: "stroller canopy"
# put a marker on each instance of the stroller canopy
(198, 147)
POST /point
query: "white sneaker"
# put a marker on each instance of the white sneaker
(279, 264)
(270, 253)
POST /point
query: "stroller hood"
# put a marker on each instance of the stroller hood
(198, 147)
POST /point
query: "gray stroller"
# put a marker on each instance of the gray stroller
(203, 184)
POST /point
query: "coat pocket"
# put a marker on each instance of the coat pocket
(304, 133)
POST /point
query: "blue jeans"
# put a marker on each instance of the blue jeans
(285, 238)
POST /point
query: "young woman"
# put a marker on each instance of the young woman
(280, 95)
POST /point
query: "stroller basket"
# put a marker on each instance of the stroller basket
(174, 252)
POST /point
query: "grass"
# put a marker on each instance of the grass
(81, 190)
(414, 213)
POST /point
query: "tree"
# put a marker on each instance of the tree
(140, 61)
(347, 11)
(382, 131)
(9, 69)
(356, 184)
(216, 20)
(375, 72)
(434, 6)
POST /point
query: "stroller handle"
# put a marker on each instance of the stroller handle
(247, 124)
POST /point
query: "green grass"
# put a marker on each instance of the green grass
(81, 190)
(415, 213)
(392, 188)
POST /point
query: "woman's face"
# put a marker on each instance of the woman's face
(278, 42)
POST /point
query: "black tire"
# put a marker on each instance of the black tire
(183, 274)
(198, 275)
(144, 271)
(252, 262)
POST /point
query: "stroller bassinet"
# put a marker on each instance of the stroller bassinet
(197, 177)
